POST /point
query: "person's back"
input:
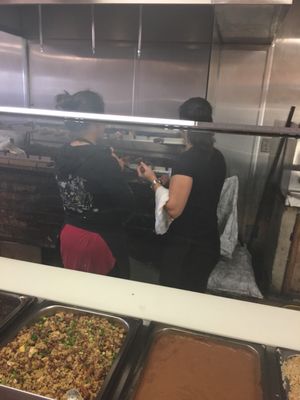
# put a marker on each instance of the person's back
(94, 193)
(198, 220)
(192, 243)
(95, 196)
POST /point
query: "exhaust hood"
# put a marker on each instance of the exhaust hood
(237, 21)
(249, 23)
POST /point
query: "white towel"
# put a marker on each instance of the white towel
(227, 214)
(162, 219)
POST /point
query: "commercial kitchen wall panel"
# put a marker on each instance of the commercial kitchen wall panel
(237, 99)
(69, 65)
(13, 81)
(284, 90)
(169, 74)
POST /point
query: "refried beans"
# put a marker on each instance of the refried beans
(186, 367)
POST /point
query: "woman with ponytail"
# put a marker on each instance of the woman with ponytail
(95, 196)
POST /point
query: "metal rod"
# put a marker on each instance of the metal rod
(136, 57)
(26, 74)
(93, 29)
(266, 84)
(208, 77)
(139, 47)
(41, 29)
(135, 61)
(290, 116)
(248, 130)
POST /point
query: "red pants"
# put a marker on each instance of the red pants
(85, 251)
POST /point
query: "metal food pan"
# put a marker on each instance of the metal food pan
(274, 374)
(130, 325)
(157, 329)
(295, 307)
(18, 303)
(282, 356)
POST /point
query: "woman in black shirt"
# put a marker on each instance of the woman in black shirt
(192, 243)
(95, 196)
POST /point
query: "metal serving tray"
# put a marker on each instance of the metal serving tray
(282, 356)
(19, 304)
(295, 307)
(157, 329)
(131, 326)
(274, 374)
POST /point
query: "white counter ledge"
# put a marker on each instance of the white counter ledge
(231, 318)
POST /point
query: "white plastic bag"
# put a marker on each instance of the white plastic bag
(228, 216)
(8, 145)
(235, 276)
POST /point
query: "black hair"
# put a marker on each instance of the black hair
(198, 109)
(84, 101)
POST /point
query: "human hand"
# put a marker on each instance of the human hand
(146, 172)
(121, 162)
(165, 180)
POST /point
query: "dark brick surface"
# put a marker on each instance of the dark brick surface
(30, 207)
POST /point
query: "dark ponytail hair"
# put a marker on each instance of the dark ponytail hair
(84, 101)
(198, 109)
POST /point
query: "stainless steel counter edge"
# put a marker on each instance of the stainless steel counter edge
(236, 319)
(199, 2)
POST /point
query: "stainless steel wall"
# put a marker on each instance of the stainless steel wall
(68, 65)
(167, 75)
(284, 90)
(257, 85)
(13, 72)
(236, 91)
(173, 63)
(285, 78)
(164, 76)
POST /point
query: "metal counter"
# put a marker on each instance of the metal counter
(17, 304)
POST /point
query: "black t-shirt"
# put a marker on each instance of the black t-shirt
(199, 219)
(94, 193)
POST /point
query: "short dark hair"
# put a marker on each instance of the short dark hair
(198, 109)
(84, 101)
